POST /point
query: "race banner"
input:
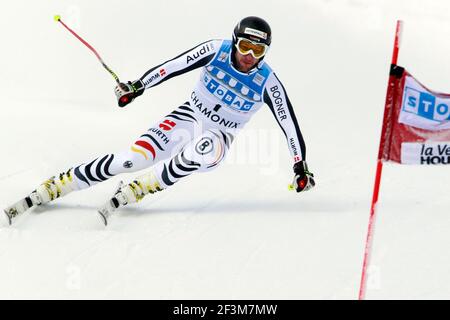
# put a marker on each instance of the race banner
(416, 124)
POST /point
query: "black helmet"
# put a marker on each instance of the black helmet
(253, 28)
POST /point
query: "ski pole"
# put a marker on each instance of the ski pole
(57, 18)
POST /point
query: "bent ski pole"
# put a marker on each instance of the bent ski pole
(57, 18)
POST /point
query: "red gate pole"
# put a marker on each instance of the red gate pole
(376, 189)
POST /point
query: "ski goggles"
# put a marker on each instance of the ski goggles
(245, 46)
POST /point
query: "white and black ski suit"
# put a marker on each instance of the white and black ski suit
(197, 135)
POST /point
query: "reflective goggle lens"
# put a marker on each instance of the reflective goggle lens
(246, 46)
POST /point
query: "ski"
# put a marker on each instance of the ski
(18, 208)
(115, 202)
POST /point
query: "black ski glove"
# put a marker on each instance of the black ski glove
(127, 92)
(303, 179)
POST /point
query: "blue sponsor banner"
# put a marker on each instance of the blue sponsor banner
(426, 105)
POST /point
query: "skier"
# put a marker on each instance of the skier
(235, 82)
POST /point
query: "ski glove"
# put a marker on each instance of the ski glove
(303, 179)
(127, 92)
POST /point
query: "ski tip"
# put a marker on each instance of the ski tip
(9, 217)
(104, 220)
(56, 17)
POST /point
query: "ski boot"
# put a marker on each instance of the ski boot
(49, 190)
(130, 193)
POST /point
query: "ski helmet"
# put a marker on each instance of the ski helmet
(254, 29)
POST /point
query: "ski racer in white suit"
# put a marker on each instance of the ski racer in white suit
(234, 84)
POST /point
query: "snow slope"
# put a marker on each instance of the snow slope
(234, 233)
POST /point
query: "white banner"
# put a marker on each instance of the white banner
(425, 153)
(424, 109)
